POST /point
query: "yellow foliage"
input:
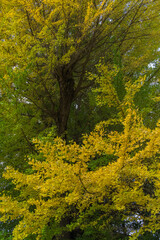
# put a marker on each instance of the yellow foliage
(63, 179)
(50, 33)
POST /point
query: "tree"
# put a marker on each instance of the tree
(47, 47)
(56, 42)
(63, 185)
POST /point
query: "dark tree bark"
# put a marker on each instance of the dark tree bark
(67, 93)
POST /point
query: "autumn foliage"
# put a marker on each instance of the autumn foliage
(56, 57)
(61, 183)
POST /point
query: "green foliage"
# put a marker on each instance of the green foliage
(91, 233)
(150, 236)
(50, 230)
(101, 161)
(5, 236)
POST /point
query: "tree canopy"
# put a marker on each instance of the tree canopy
(50, 45)
(62, 182)
(79, 128)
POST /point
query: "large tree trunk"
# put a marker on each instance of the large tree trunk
(66, 85)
